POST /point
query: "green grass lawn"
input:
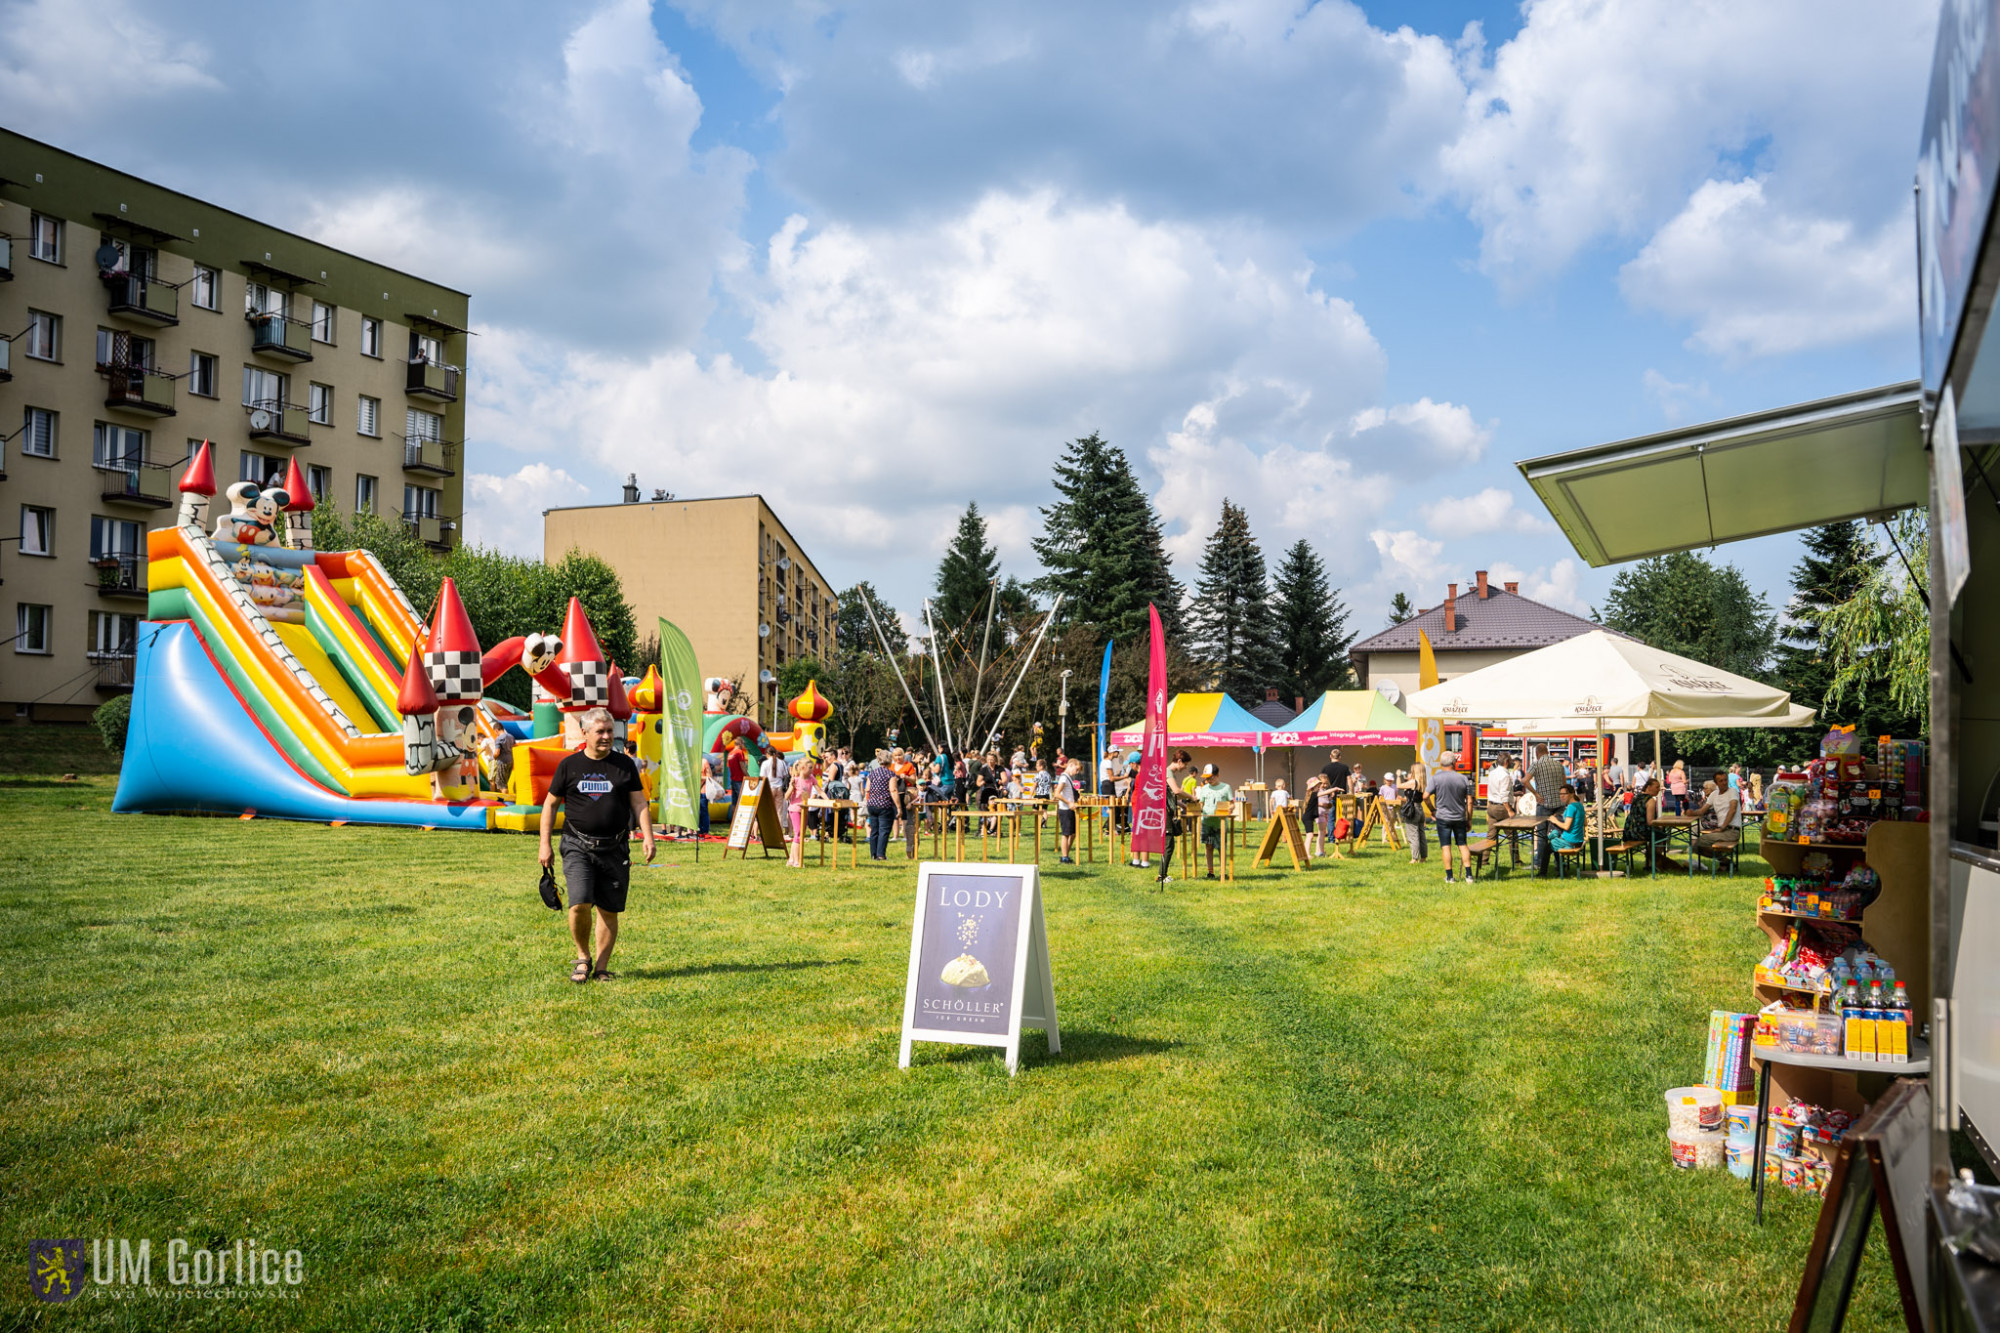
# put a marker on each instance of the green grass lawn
(1356, 1098)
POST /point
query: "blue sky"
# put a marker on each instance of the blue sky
(1342, 264)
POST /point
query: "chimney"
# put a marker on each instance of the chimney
(1270, 694)
(1512, 587)
(1451, 608)
(1480, 574)
(1299, 704)
(631, 488)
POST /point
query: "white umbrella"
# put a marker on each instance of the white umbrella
(1608, 683)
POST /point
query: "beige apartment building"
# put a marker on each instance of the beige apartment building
(136, 322)
(724, 570)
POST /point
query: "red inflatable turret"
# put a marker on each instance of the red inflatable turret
(583, 662)
(452, 655)
(197, 485)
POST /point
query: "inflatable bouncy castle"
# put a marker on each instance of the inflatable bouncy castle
(291, 683)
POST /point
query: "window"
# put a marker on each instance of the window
(44, 336)
(31, 628)
(420, 425)
(420, 502)
(322, 322)
(38, 530)
(45, 238)
(319, 480)
(364, 495)
(112, 634)
(423, 347)
(261, 469)
(116, 348)
(368, 415)
(205, 288)
(115, 537)
(202, 374)
(371, 336)
(263, 387)
(114, 446)
(38, 433)
(136, 260)
(319, 404)
(262, 299)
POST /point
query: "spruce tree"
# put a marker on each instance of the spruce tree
(1401, 608)
(1310, 625)
(1229, 621)
(1102, 547)
(966, 575)
(1837, 560)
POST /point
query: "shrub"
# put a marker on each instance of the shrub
(112, 717)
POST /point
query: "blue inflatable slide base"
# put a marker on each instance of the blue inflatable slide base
(194, 747)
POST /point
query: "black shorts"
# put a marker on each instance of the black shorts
(1453, 831)
(596, 878)
(1066, 822)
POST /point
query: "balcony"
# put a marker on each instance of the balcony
(438, 457)
(138, 389)
(6, 258)
(277, 422)
(114, 672)
(147, 485)
(6, 359)
(433, 379)
(140, 298)
(279, 335)
(120, 574)
(432, 529)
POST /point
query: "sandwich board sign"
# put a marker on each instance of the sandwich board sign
(757, 808)
(1283, 829)
(979, 959)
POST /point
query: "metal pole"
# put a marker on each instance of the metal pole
(1062, 727)
(944, 705)
(883, 639)
(1026, 663)
(979, 676)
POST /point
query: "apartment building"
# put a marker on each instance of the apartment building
(136, 322)
(724, 570)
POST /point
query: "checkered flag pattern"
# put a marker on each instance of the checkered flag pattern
(455, 676)
(589, 683)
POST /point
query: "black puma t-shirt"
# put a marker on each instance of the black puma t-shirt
(596, 793)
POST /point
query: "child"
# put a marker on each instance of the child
(1213, 793)
(1280, 798)
(1065, 794)
(1309, 812)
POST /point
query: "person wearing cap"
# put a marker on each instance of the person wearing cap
(1213, 793)
(1453, 795)
(602, 798)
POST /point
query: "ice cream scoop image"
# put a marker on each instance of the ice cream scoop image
(966, 972)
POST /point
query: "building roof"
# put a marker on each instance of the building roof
(1501, 619)
(1274, 711)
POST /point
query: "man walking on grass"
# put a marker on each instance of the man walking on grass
(602, 797)
(1453, 795)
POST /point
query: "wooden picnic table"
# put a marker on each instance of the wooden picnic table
(838, 807)
(1514, 826)
(1676, 826)
(1011, 818)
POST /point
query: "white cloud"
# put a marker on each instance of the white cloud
(1420, 437)
(1558, 584)
(1599, 119)
(913, 368)
(63, 62)
(1674, 397)
(505, 513)
(1756, 280)
(1410, 563)
(1490, 510)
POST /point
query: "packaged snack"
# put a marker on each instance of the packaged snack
(1784, 1138)
(1693, 1109)
(1742, 1158)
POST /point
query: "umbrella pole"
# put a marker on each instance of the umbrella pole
(1603, 870)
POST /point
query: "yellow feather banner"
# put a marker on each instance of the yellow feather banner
(1430, 730)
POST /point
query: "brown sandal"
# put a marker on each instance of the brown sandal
(580, 973)
(602, 975)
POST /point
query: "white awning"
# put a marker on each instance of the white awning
(1858, 455)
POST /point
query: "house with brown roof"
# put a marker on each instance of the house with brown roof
(1489, 624)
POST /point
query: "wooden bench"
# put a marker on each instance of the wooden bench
(1628, 850)
(1722, 849)
(1480, 849)
(1567, 855)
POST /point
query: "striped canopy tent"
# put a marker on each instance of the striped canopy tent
(1202, 721)
(1348, 717)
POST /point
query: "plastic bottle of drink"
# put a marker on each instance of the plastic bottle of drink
(1854, 1031)
(1879, 1019)
(1899, 1005)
